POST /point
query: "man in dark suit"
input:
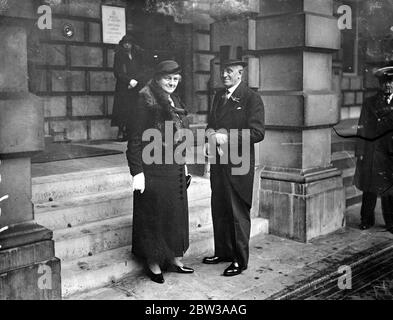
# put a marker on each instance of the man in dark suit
(234, 107)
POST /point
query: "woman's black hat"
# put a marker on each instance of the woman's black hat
(167, 67)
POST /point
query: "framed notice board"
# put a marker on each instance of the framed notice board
(113, 24)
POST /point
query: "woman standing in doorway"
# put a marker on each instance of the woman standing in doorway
(128, 82)
(160, 215)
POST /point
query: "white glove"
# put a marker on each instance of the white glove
(138, 182)
(221, 138)
(133, 83)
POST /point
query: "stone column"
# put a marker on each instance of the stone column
(302, 195)
(28, 267)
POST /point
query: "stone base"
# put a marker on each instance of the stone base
(302, 206)
(28, 267)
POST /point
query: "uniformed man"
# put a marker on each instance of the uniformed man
(374, 151)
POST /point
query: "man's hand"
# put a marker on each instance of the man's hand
(139, 182)
(221, 138)
(132, 84)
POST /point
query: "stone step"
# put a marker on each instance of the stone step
(81, 210)
(78, 210)
(108, 233)
(96, 271)
(92, 238)
(344, 159)
(352, 196)
(348, 175)
(65, 186)
(70, 185)
(58, 215)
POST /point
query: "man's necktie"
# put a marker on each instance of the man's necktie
(224, 98)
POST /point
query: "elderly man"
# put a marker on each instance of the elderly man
(234, 107)
(374, 151)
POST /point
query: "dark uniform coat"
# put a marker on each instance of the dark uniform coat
(374, 148)
(125, 99)
(232, 194)
(160, 213)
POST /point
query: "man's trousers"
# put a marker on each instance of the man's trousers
(369, 200)
(231, 218)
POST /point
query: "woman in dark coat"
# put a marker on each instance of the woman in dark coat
(160, 214)
(128, 83)
(374, 152)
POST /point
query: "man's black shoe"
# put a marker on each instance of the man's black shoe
(234, 269)
(215, 260)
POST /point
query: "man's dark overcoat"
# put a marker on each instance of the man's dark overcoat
(374, 148)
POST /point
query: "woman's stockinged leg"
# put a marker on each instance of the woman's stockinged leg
(154, 267)
(177, 261)
(180, 267)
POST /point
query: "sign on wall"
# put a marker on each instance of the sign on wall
(113, 24)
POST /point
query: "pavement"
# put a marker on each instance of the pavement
(275, 264)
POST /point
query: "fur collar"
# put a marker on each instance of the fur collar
(156, 99)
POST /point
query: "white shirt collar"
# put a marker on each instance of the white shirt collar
(232, 89)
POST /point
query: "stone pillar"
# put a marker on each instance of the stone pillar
(302, 194)
(28, 267)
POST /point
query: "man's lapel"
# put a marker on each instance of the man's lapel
(216, 102)
(233, 102)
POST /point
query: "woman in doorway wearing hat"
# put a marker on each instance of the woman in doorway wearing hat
(160, 214)
(127, 72)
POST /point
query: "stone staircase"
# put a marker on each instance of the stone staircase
(90, 213)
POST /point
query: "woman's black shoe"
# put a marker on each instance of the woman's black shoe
(183, 269)
(159, 278)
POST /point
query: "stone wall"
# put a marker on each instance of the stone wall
(74, 75)
(352, 96)
(202, 57)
